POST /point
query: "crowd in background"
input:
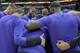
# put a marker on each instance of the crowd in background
(21, 34)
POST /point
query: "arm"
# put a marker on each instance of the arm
(27, 42)
(76, 41)
(33, 25)
(62, 45)
(24, 41)
(73, 43)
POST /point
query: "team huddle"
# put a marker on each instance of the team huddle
(28, 33)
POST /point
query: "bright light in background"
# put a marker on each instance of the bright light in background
(66, 0)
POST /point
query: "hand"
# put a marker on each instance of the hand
(42, 40)
(62, 45)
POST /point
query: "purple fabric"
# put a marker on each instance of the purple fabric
(61, 26)
(2, 14)
(26, 17)
(9, 35)
(66, 10)
(7, 25)
(21, 35)
(18, 32)
(34, 49)
(29, 17)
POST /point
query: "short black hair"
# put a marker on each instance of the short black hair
(55, 4)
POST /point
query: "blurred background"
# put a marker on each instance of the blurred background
(40, 4)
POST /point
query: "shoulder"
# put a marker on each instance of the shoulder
(75, 12)
(26, 15)
(6, 17)
(54, 15)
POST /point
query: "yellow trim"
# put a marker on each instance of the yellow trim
(25, 3)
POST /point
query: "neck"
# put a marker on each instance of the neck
(45, 15)
(57, 10)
